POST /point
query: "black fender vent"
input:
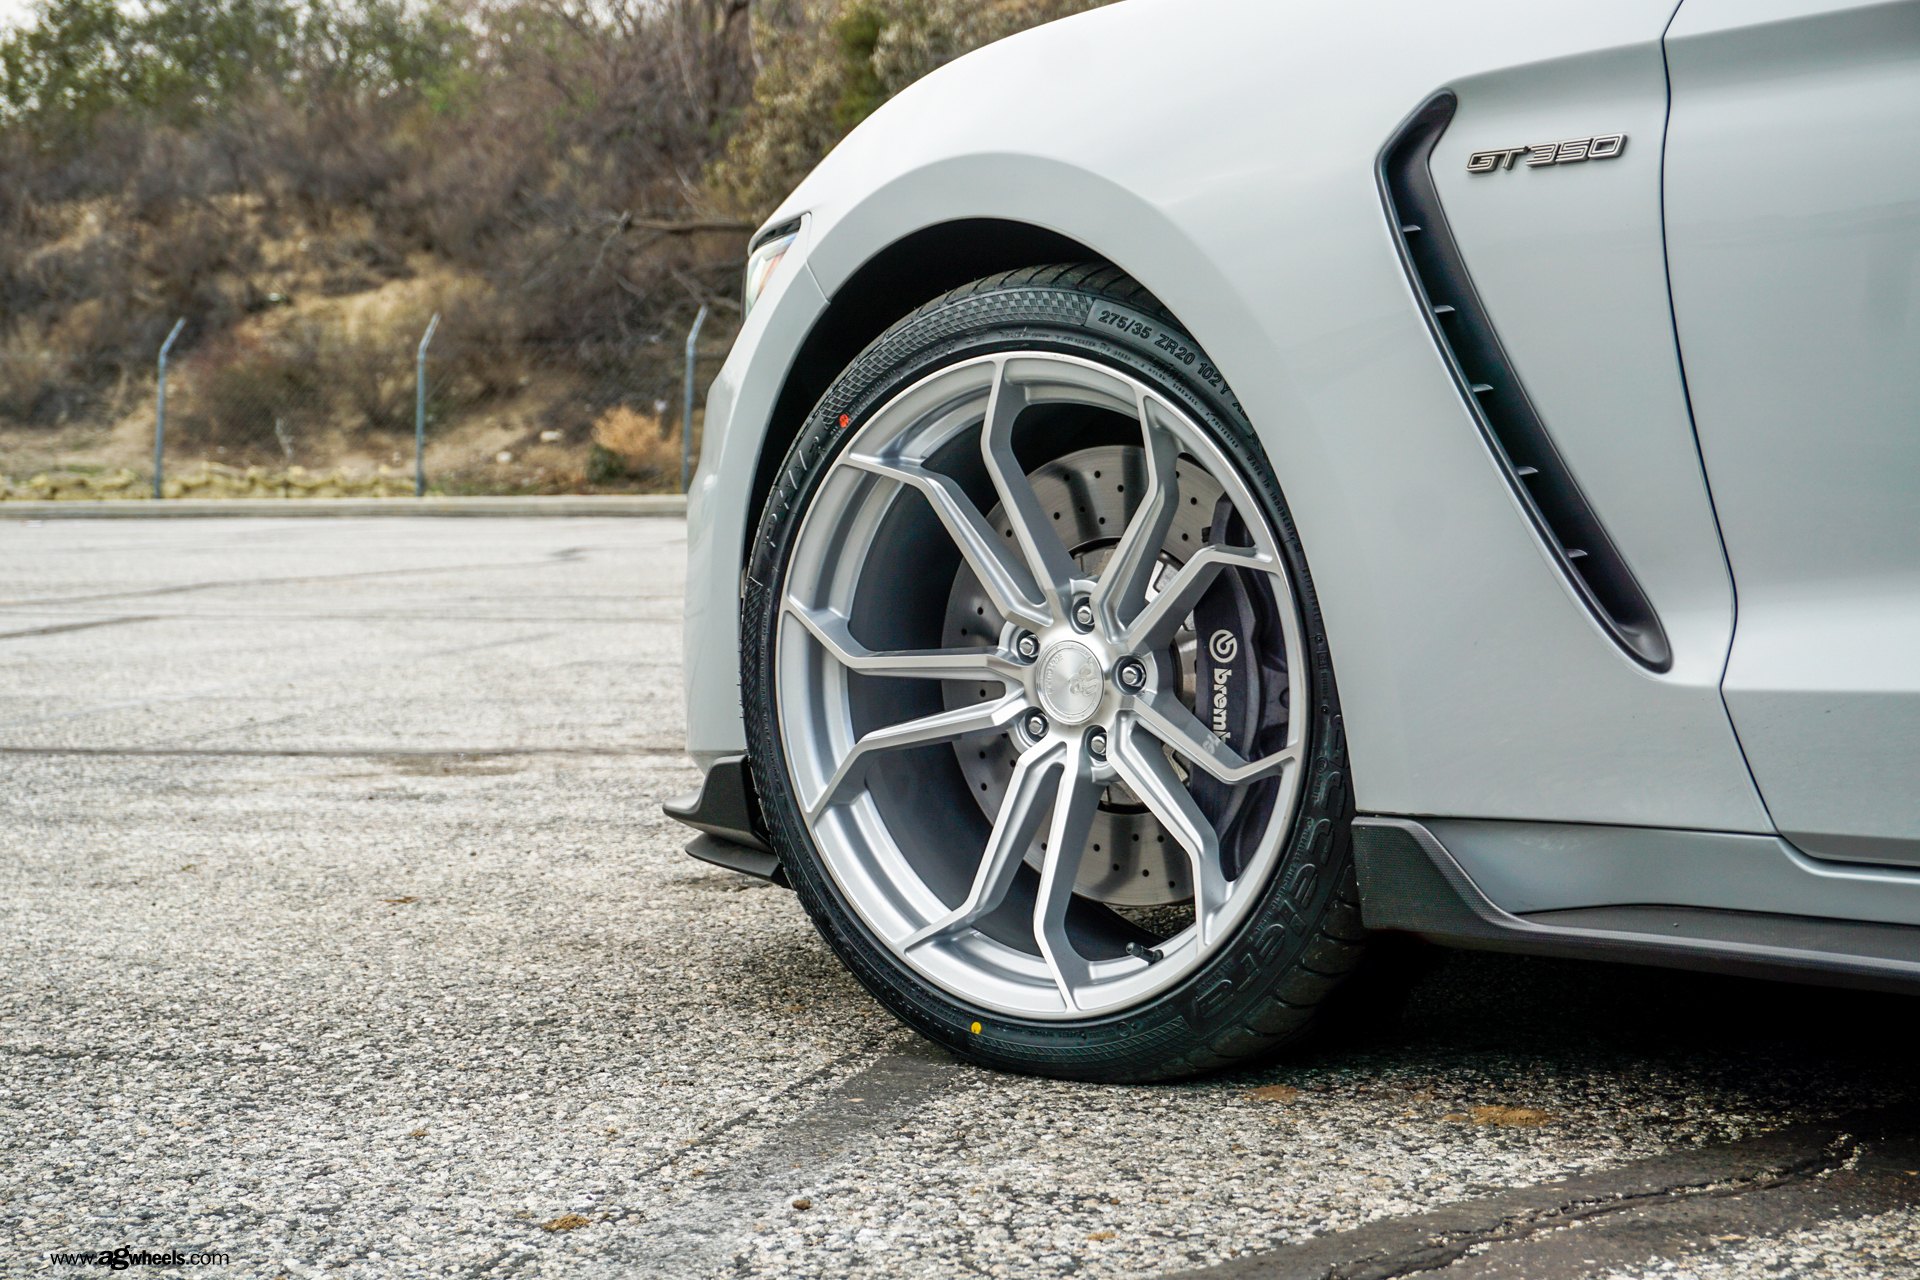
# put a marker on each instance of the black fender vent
(1493, 392)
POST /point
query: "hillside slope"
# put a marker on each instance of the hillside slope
(564, 182)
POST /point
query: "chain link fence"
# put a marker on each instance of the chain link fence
(327, 410)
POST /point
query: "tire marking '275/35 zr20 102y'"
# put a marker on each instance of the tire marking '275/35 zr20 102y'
(1141, 332)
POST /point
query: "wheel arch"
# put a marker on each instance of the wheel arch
(905, 275)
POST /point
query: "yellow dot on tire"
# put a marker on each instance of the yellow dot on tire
(976, 1028)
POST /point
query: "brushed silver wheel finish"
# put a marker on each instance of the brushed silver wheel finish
(856, 723)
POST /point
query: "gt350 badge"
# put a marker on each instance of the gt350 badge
(1602, 146)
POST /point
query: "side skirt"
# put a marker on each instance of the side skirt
(1410, 882)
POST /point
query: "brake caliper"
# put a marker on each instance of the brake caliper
(1226, 693)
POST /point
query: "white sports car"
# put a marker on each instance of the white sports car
(1207, 482)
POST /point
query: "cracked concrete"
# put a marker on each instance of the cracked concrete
(1655, 1210)
(340, 930)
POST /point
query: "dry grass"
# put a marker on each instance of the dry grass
(635, 437)
(628, 444)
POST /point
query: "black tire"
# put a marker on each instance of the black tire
(1264, 986)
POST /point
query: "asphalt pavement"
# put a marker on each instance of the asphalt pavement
(341, 934)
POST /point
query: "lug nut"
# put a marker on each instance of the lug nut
(1027, 645)
(1133, 675)
(1036, 725)
(1097, 744)
(1083, 614)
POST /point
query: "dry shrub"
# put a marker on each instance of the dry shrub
(629, 445)
(28, 390)
(321, 153)
(459, 199)
(635, 436)
(171, 170)
(93, 260)
(372, 379)
(831, 63)
(479, 351)
(198, 263)
(34, 379)
(926, 34)
(247, 393)
(254, 393)
(44, 382)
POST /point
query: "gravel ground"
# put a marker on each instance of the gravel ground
(340, 932)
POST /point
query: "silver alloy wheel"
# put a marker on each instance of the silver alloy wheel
(945, 887)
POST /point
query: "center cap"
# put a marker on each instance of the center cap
(1070, 682)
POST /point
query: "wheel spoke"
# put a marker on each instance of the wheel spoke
(1121, 592)
(1073, 809)
(1046, 555)
(944, 726)
(1167, 718)
(1013, 830)
(1006, 583)
(1145, 769)
(831, 630)
(1164, 613)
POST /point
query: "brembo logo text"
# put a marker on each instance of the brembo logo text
(1224, 647)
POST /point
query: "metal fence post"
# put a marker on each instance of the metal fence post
(686, 417)
(160, 409)
(420, 410)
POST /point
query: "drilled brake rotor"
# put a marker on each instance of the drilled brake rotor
(1091, 495)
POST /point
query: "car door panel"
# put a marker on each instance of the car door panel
(1792, 201)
